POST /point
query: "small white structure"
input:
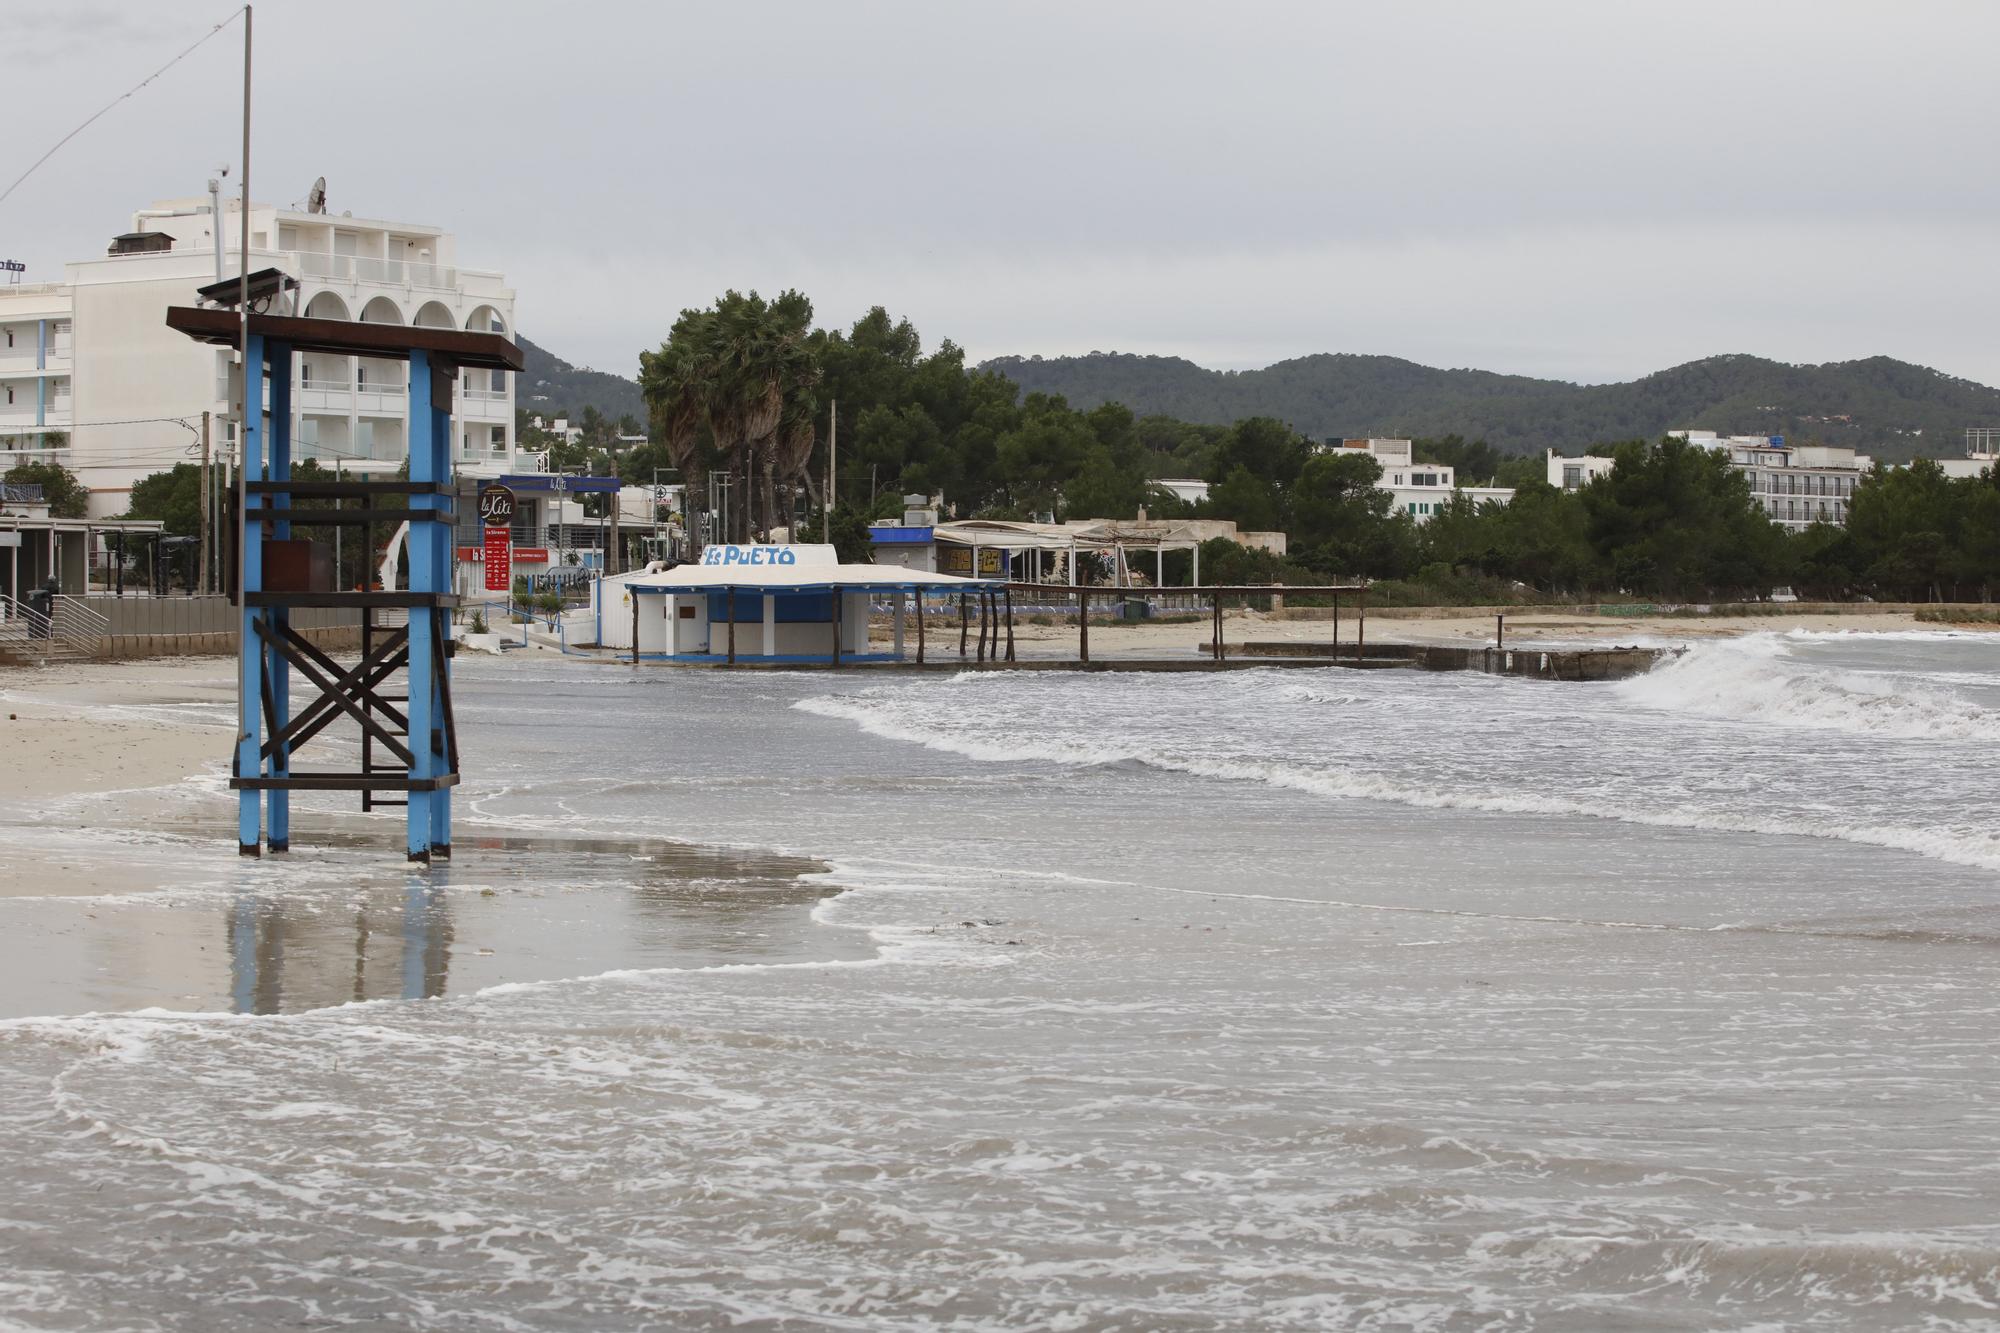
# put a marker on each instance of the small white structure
(1420, 489)
(1191, 490)
(1573, 474)
(1982, 453)
(759, 604)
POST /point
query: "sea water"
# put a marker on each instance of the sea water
(1274, 998)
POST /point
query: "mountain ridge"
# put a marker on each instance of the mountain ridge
(1894, 409)
(550, 386)
(1890, 408)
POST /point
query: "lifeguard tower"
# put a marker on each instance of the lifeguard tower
(280, 574)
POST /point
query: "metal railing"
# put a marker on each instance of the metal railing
(71, 630)
(76, 625)
(390, 272)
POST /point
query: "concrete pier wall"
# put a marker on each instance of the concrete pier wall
(1550, 664)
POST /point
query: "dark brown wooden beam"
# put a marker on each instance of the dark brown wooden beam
(342, 337)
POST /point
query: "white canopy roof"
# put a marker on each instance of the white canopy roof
(803, 568)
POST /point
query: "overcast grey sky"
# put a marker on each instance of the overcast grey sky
(1587, 190)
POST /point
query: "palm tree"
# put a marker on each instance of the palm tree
(743, 370)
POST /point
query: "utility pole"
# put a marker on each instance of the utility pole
(832, 445)
(245, 420)
(613, 553)
(206, 518)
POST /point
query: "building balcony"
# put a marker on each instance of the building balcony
(21, 359)
(339, 398)
(19, 415)
(486, 404)
(381, 272)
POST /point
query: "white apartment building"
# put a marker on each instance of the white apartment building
(91, 357)
(1797, 484)
(1419, 489)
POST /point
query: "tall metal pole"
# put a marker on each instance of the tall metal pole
(243, 361)
(206, 517)
(832, 446)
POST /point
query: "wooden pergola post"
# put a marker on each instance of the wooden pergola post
(982, 626)
(1008, 593)
(1220, 651)
(732, 627)
(920, 626)
(964, 620)
(1082, 624)
(1361, 625)
(1336, 627)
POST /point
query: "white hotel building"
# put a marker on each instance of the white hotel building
(1797, 485)
(91, 358)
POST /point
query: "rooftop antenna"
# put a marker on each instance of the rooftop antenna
(316, 197)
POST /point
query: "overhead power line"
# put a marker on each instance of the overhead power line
(112, 103)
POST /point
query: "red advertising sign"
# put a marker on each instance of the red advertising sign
(532, 555)
(499, 570)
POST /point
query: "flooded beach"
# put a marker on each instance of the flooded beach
(1302, 999)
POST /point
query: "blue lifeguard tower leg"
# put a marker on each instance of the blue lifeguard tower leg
(279, 446)
(251, 655)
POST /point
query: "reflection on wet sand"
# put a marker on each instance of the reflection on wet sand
(516, 908)
(281, 962)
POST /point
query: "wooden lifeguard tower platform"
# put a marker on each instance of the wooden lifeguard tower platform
(419, 738)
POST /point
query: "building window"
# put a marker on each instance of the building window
(1572, 477)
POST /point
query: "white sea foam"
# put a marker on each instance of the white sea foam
(1757, 680)
(1968, 845)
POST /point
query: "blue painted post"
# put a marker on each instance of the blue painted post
(441, 543)
(423, 468)
(250, 683)
(279, 447)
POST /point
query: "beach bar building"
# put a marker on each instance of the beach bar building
(767, 603)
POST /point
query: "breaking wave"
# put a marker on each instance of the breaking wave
(885, 717)
(1756, 679)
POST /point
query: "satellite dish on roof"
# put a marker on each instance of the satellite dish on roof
(316, 197)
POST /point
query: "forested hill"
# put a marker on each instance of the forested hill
(1890, 408)
(552, 386)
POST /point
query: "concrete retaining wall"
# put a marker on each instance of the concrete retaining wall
(130, 616)
(333, 638)
(198, 626)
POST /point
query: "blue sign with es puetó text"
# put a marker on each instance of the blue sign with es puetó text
(749, 555)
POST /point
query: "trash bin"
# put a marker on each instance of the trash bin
(42, 601)
(1138, 608)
